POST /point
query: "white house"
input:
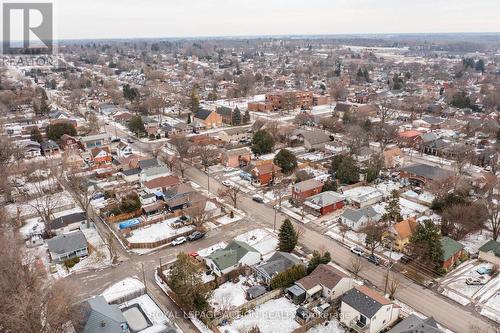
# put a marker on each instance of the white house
(67, 246)
(359, 218)
(364, 310)
(236, 254)
(154, 172)
(363, 196)
(68, 223)
(326, 281)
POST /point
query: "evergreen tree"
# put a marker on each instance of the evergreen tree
(194, 101)
(188, 121)
(246, 117)
(479, 66)
(286, 160)
(262, 142)
(286, 278)
(348, 171)
(393, 209)
(55, 131)
(288, 237)
(130, 93)
(498, 135)
(136, 125)
(330, 185)
(35, 135)
(236, 116)
(44, 107)
(425, 244)
(318, 259)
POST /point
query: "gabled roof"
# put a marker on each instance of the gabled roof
(450, 247)
(414, 324)
(49, 144)
(231, 254)
(203, 114)
(365, 300)
(63, 221)
(307, 185)
(324, 199)
(357, 214)
(96, 137)
(427, 171)
(99, 317)
(343, 107)
(491, 246)
(314, 137)
(67, 242)
(148, 163)
(406, 228)
(325, 275)
(163, 182)
(279, 262)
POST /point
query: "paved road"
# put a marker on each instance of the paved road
(421, 299)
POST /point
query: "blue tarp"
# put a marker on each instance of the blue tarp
(128, 223)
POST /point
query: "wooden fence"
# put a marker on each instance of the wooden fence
(152, 245)
(124, 216)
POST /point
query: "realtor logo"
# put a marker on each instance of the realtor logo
(27, 28)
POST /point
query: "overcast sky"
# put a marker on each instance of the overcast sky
(186, 18)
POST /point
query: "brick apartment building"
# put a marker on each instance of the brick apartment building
(286, 100)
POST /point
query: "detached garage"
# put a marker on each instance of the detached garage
(490, 252)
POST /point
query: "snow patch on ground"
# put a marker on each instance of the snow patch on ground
(332, 326)
(260, 239)
(229, 295)
(123, 288)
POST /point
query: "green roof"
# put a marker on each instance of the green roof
(491, 246)
(231, 254)
(450, 247)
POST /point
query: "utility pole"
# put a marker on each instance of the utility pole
(208, 180)
(387, 272)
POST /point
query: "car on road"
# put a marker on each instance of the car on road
(483, 270)
(357, 250)
(179, 241)
(480, 280)
(195, 235)
(405, 259)
(374, 259)
(226, 183)
(257, 199)
(129, 140)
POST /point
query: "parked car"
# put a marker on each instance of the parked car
(226, 183)
(483, 270)
(179, 241)
(405, 259)
(257, 199)
(195, 235)
(129, 140)
(374, 259)
(480, 280)
(357, 250)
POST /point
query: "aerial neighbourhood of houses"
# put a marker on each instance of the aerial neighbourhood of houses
(263, 187)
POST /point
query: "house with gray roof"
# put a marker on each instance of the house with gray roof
(364, 310)
(490, 252)
(95, 315)
(325, 202)
(359, 218)
(277, 263)
(236, 254)
(424, 173)
(414, 324)
(313, 139)
(68, 223)
(67, 246)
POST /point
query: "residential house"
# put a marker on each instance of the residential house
(490, 252)
(31, 149)
(429, 122)
(68, 142)
(101, 156)
(236, 158)
(424, 174)
(356, 219)
(148, 163)
(97, 140)
(306, 188)
(325, 281)
(68, 223)
(264, 173)
(363, 196)
(131, 175)
(342, 107)
(364, 310)
(50, 148)
(416, 324)
(452, 252)
(325, 202)
(154, 172)
(399, 234)
(277, 263)
(393, 158)
(180, 196)
(235, 134)
(236, 254)
(209, 119)
(160, 184)
(313, 140)
(68, 246)
(410, 138)
(95, 315)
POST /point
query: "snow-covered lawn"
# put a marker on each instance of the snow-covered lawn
(456, 297)
(99, 256)
(208, 250)
(331, 326)
(230, 295)
(260, 239)
(122, 288)
(156, 232)
(492, 309)
(28, 208)
(226, 219)
(275, 316)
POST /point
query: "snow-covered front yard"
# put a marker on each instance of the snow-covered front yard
(331, 326)
(230, 295)
(275, 316)
(99, 252)
(156, 232)
(262, 240)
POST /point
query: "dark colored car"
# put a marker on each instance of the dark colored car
(374, 259)
(195, 235)
(258, 199)
(405, 260)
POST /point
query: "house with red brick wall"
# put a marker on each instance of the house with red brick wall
(325, 202)
(236, 158)
(307, 188)
(265, 173)
(452, 252)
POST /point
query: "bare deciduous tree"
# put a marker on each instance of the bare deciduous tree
(393, 286)
(231, 193)
(181, 145)
(356, 266)
(44, 198)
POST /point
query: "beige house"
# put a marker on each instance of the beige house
(490, 252)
